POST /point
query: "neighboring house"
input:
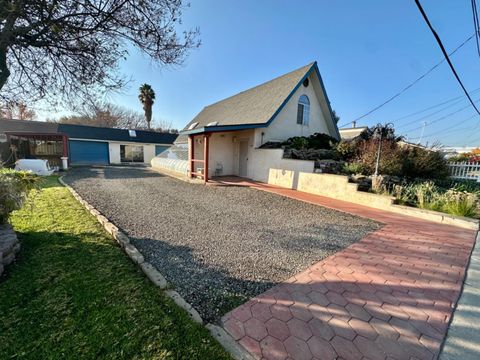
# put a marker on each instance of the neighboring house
(82, 145)
(352, 133)
(224, 138)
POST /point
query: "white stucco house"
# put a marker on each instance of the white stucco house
(225, 137)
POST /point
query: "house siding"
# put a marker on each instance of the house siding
(285, 124)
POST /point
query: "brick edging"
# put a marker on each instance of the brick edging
(9, 246)
(158, 279)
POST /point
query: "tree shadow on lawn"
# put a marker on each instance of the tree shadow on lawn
(74, 296)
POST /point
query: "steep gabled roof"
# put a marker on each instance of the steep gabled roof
(255, 107)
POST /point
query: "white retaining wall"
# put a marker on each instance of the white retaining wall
(269, 166)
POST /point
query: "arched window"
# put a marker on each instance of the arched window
(303, 111)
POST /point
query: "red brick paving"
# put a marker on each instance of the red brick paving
(390, 295)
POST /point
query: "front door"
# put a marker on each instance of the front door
(243, 164)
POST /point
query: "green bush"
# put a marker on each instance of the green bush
(315, 141)
(427, 195)
(347, 150)
(14, 188)
(353, 168)
(424, 164)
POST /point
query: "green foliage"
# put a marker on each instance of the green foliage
(424, 164)
(73, 294)
(315, 141)
(298, 143)
(391, 159)
(427, 195)
(395, 160)
(353, 168)
(14, 188)
(347, 150)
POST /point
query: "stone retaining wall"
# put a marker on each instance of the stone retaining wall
(9, 246)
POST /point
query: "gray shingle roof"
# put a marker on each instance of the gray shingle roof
(253, 106)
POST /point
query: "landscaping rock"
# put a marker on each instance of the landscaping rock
(134, 254)
(9, 246)
(154, 275)
(175, 296)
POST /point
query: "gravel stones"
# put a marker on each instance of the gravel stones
(218, 246)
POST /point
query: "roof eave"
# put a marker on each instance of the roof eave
(207, 129)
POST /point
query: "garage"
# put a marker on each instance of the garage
(88, 152)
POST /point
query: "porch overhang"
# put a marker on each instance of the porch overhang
(222, 128)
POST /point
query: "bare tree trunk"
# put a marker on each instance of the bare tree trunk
(4, 72)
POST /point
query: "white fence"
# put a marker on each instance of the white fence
(465, 170)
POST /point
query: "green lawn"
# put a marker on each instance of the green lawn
(74, 294)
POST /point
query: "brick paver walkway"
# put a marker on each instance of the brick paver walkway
(390, 295)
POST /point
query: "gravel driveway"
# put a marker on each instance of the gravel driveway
(218, 246)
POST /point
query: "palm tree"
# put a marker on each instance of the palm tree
(146, 97)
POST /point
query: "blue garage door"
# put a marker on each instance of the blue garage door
(159, 149)
(88, 152)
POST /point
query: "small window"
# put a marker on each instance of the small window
(131, 153)
(192, 126)
(303, 110)
(213, 123)
(132, 133)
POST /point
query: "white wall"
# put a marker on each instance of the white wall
(285, 124)
(268, 165)
(114, 149)
(223, 151)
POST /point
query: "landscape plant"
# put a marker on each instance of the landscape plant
(460, 200)
(14, 189)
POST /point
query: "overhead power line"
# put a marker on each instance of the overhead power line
(409, 85)
(445, 54)
(440, 118)
(461, 98)
(476, 25)
(447, 129)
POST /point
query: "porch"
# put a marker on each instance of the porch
(47, 146)
(219, 154)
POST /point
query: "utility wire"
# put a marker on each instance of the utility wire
(476, 25)
(445, 54)
(430, 114)
(409, 85)
(445, 131)
(441, 118)
(461, 98)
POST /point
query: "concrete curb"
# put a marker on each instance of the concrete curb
(228, 343)
(462, 340)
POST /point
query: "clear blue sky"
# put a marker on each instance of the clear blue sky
(366, 51)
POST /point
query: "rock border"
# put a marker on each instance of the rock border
(228, 343)
(9, 246)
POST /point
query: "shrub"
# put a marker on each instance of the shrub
(298, 143)
(315, 141)
(14, 188)
(391, 158)
(353, 168)
(424, 164)
(347, 150)
(460, 203)
(427, 195)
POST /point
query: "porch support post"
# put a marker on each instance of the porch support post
(191, 153)
(205, 157)
(65, 145)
